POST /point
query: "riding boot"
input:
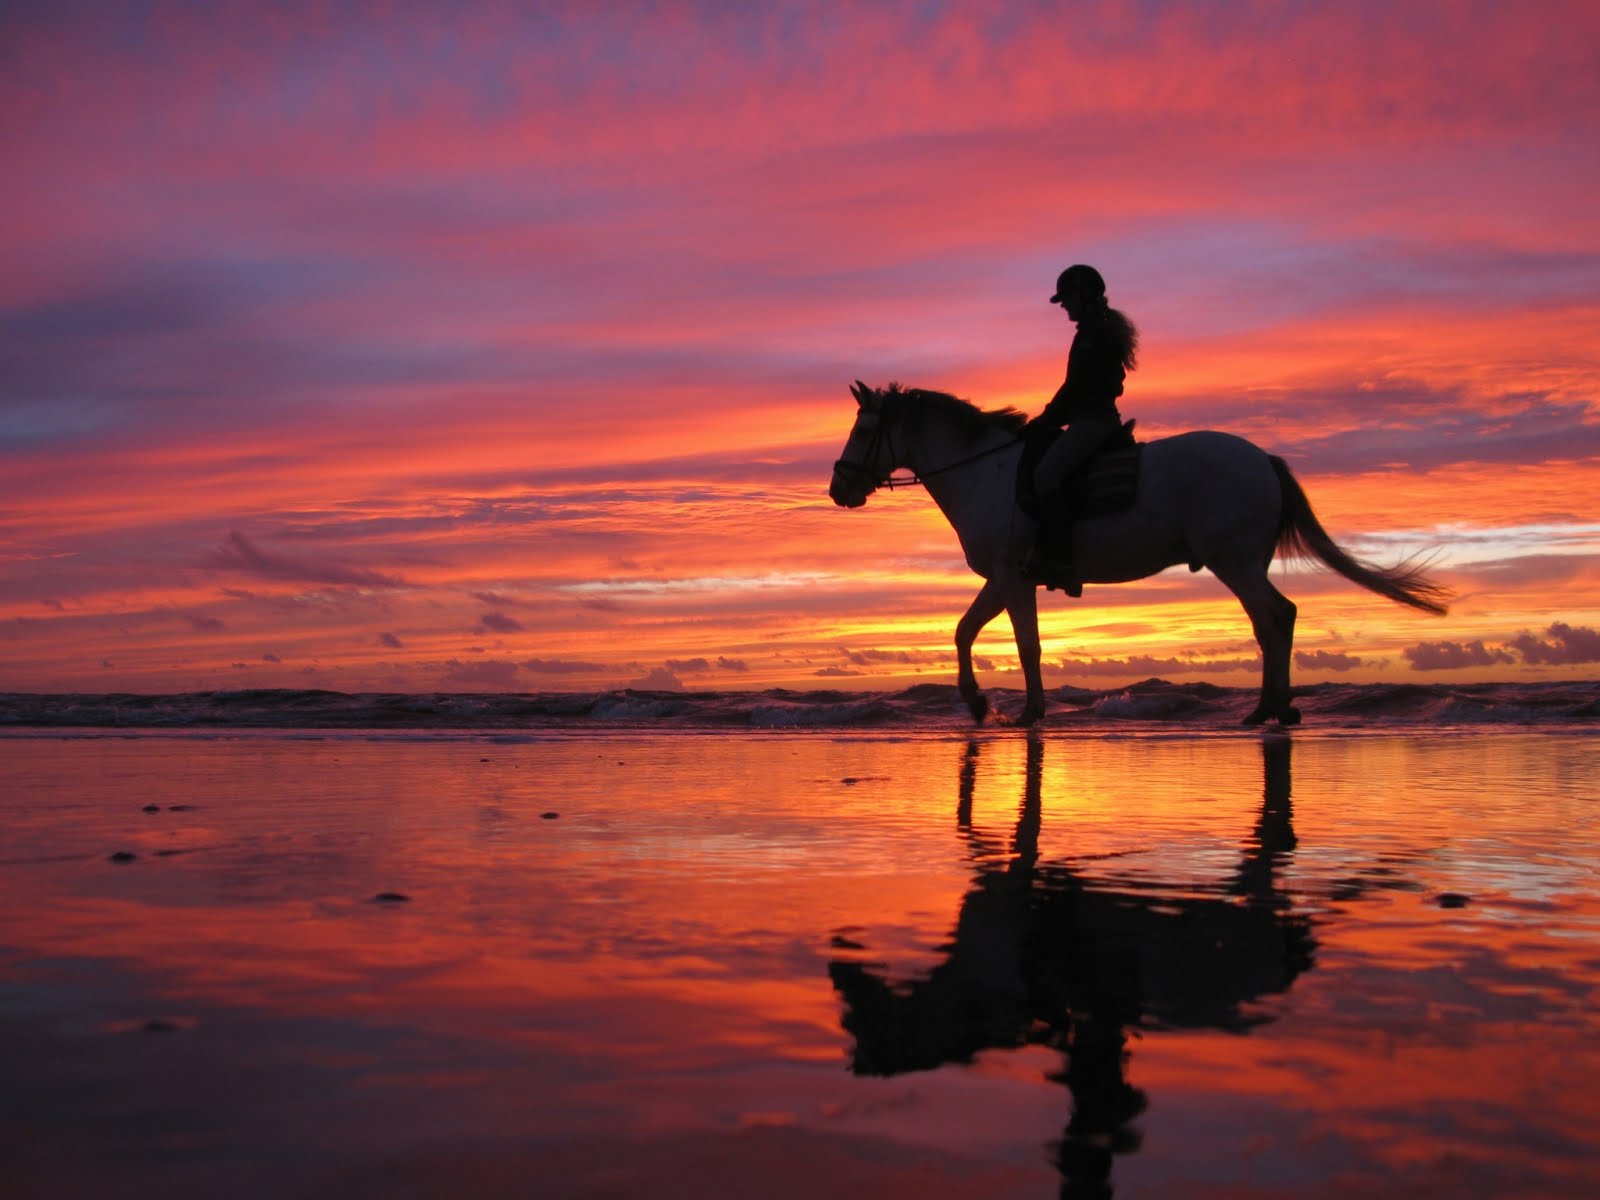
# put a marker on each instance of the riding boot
(1062, 571)
(1051, 561)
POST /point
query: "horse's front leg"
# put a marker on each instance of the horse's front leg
(985, 607)
(1023, 604)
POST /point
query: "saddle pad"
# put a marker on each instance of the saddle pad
(1106, 485)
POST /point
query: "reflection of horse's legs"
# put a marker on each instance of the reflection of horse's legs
(985, 607)
(1274, 839)
(1272, 617)
(969, 780)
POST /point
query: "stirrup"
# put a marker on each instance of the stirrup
(1051, 573)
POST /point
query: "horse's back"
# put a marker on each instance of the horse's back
(1220, 489)
(1205, 444)
(1205, 458)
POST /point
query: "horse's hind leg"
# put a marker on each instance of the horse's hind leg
(1272, 617)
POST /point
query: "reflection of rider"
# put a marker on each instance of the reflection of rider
(1103, 352)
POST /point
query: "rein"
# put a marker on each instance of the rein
(881, 436)
(916, 479)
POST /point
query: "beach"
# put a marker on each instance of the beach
(636, 961)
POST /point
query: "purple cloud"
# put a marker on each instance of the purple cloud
(1327, 660)
(560, 666)
(658, 680)
(493, 674)
(239, 553)
(494, 622)
(1452, 656)
(1561, 644)
(688, 666)
(867, 658)
(500, 600)
(389, 640)
(1147, 665)
(700, 665)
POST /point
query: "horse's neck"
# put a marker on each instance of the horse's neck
(929, 452)
(968, 480)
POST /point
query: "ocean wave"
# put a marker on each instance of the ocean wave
(923, 706)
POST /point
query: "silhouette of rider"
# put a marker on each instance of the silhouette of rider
(1103, 351)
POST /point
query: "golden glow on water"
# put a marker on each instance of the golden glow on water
(1016, 962)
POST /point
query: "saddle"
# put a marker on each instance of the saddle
(1104, 485)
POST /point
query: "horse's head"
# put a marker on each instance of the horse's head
(868, 455)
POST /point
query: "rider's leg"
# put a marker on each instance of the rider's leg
(1052, 557)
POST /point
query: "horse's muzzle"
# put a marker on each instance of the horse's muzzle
(851, 484)
(847, 492)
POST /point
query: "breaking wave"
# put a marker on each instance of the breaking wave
(1154, 702)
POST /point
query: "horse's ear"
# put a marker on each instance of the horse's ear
(859, 391)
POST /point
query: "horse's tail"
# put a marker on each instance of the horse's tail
(1301, 535)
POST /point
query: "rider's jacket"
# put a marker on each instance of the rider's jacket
(1094, 376)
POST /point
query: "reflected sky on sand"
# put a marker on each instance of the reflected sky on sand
(268, 963)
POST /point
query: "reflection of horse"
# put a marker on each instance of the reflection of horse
(1043, 955)
(1206, 499)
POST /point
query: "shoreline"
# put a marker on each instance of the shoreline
(929, 706)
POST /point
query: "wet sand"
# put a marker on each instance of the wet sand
(270, 964)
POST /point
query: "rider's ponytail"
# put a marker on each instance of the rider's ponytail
(1127, 337)
(1090, 284)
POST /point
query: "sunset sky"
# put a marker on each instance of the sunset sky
(447, 346)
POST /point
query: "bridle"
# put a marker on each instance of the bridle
(863, 473)
(882, 438)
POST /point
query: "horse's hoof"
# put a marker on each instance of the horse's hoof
(1030, 714)
(1287, 715)
(977, 705)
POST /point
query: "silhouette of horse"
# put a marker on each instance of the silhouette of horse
(1206, 499)
(1044, 955)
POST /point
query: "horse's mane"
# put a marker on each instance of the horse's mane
(972, 422)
